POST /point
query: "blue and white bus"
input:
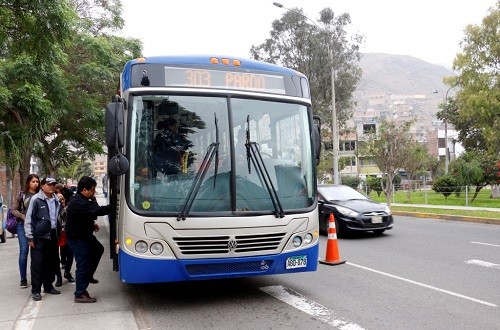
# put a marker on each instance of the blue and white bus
(238, 197)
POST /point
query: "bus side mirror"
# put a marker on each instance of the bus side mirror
(118, 164)
(316, 132)
(114, 125)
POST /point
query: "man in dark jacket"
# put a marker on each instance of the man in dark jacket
(40, 226)
(82, 211)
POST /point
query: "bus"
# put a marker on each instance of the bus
(211, 170)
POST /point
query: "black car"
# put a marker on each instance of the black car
(353, 211)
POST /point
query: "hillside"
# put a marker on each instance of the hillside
(400, 75)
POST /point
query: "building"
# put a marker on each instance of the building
(100, 165)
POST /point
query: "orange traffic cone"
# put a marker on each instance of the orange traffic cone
(332, 248)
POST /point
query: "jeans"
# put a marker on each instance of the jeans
(23, 250)
(87, 254)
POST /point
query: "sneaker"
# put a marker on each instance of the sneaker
(23, 284)
(36, 296)
(93, 281)
(85, 299)
(59, 281)
(69, 277)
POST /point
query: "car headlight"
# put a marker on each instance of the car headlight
(387, 210)
(346, 211)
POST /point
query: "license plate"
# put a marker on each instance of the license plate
(376, 219)
(296, 262)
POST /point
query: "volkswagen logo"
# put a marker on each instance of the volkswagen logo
(232, 244)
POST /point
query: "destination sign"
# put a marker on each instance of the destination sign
(224, 79)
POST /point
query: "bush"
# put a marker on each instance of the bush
(446, 185)
(351, 181)
(374, 184)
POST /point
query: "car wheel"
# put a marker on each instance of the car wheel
(379, 232)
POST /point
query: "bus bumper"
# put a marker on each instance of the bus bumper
(141, 270)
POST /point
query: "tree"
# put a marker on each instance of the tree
(95, 59)
(297, 43)
(388, 148)
(60, 65)
(416, 162)
(475, 168)
(31, 89)
(475, 111)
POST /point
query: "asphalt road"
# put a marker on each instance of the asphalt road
(423, 274)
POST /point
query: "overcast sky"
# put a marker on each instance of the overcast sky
(427, 29)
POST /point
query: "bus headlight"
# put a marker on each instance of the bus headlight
(156, 248)
(297, 241)
(141, 246)
(308, 238)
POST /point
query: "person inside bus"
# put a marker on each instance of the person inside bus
(169, 147)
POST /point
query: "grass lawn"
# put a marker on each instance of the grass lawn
(430, 197)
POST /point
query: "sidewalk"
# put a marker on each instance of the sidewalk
(448, 216)
(19, 311)
(451, 207)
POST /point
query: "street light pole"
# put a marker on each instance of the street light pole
(335, 131)
(446, 151)
(335, 134)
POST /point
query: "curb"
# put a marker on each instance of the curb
(448, 217)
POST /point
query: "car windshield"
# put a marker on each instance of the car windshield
(340, 193)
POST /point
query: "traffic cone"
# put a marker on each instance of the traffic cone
(332, 257)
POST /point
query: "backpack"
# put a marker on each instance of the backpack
(11, 222)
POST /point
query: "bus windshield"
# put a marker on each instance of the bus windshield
(198, 155)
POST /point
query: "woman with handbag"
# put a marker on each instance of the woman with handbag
(31, 187)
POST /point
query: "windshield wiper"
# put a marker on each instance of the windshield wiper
(254, 156)
(213, 150)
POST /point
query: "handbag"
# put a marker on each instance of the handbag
(62, 239)
(11, 222)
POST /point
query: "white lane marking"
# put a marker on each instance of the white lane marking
(425, 285)
(482, 263)
(28, 315)
(496, 245)
(308, 306)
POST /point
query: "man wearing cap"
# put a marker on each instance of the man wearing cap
(41, 231)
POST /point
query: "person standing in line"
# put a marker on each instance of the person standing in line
(64, 250)
(40, 226)
(31, 187)
(57, 190)
(82, 211)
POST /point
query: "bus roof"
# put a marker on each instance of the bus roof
(202, 60)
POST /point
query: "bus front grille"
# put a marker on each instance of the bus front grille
(226, 244)
(229, 268)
